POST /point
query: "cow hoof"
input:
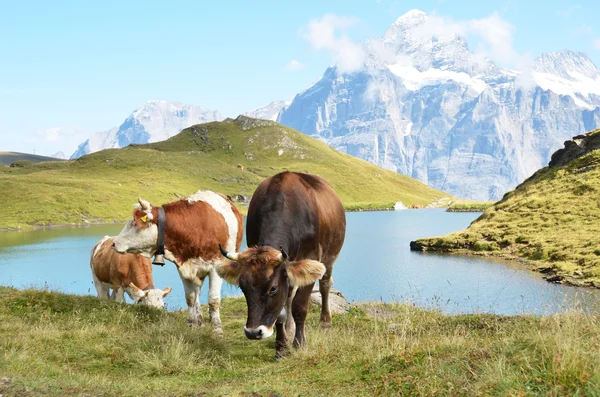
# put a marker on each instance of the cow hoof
(194, 323)
(280, 354)
(325, 324)
(217, 331)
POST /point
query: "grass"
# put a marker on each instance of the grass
(551, 222)
(7, 158)
(54, 344)
(231, 157)
(469, 206)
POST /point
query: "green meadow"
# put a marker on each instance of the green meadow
(52, 344)
(231, 157)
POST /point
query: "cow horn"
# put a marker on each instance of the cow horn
(134, 287)
(284, 255)
(230, 256)
(145, 205)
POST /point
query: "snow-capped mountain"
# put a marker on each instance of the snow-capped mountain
(428, 107)
(153, 121)
(59, 155)
(269, 111)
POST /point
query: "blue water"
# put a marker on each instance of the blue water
(375, 265)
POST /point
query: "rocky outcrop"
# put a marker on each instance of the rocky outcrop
(575, 148)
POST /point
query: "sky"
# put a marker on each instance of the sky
(71, 68)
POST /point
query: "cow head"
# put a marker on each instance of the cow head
(265, 277)
(140, 234)
(151, 297)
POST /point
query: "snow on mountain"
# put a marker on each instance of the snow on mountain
(59, 155)
(269, 111)
(152, 122)
(428, 107)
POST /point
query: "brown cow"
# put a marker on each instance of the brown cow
(299, 214)
(193, 229)
(122, 273)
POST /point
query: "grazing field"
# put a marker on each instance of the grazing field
(551, 222)
(231, 157)
(53, 344)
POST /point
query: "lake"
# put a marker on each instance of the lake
(375, 265)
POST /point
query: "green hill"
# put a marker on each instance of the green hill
(231, 157)
(551, 222)
(7, 158)
(52, 344)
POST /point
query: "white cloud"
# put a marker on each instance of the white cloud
(294, 65)
(582, 30)
(51, 140)
(329, 33)
(568, 11)
(597, 44)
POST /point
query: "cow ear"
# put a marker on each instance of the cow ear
(230, 271)
(304, 272)
(166, 291)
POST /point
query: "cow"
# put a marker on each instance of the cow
(295, 230)
(191, 229)
(122, 273)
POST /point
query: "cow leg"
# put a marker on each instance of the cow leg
(290, 325)
(192, 292)
(101, 289)
(299, 311)
(281, 342)
(214, 300)
(324, 287)
(119, 294)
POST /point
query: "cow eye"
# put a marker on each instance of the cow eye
(273, 290)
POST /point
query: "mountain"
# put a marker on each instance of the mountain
(8, 158)
(60, 155)
(269, 111)
(427, 107)
(152, 122)
(550, 222)
(231, 157)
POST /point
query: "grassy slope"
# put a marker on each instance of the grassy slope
(469, 206)
(551, 221)
(101, 187)
(7, 158)
(53, 344)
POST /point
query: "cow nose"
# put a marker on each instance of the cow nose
(256, 333)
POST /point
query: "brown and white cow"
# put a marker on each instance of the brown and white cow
(295, 229)
(122, 273)
(193, 229)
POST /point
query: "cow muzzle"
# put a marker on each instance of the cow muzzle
(261, 332)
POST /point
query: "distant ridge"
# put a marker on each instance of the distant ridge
(231, 157)
(7, 158)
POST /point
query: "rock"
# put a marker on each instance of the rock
(239, 198)
(399, 206)
(416, 246)
(337, 301)
(579, 146)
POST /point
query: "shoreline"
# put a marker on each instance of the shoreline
(86, 224)
(541, 268)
